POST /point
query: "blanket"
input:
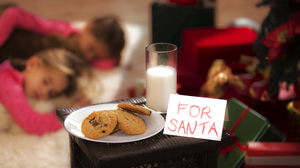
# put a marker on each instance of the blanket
(24, 150)
(19, 149)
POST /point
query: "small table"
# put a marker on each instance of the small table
(158, 151)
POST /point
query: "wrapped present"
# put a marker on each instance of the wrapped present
(201, 46)
(184, 2)
(248, 80)
(273, 135)
(272, 154)
(245, 125)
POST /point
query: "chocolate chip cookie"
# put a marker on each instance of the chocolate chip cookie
(99, 124)
(130, 123)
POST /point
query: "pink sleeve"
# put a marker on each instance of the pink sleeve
(13, 99)
(14, 17)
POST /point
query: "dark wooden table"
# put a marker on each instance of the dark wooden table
(158, 151)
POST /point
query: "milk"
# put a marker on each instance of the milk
(160, 83)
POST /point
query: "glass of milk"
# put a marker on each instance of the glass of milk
(161, 75)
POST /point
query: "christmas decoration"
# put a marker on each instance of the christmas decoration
(278, 45)
(277, 48)
(219, 76)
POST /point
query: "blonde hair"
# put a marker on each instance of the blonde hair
(60, 59)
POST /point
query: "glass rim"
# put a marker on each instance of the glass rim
(154, 44)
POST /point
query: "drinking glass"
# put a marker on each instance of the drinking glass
(161, 75)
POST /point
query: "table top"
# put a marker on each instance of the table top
(158, 147)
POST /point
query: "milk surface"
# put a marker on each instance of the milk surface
(160, 83)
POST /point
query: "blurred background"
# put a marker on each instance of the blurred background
(138, 14)
(133, 11)
(137, 18)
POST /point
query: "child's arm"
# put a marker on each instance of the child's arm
(14, 100)
(14, 17)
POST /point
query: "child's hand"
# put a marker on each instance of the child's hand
(84, 100)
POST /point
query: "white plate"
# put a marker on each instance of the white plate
(154, 124)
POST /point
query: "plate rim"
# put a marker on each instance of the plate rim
(105, 141)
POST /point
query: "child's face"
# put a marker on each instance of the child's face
(42, 82)
(90, 47)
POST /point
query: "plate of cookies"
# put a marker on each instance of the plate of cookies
(114, 123)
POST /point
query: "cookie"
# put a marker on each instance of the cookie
(99, 124)
(134, 108)
(130, 123)
(116, 129)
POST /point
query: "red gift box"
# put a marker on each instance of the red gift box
(272, 154)
(184, 2)
(201, 46)
(248, 80)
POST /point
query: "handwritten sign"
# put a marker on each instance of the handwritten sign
(196, 117)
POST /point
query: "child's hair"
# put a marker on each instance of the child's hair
(108, 30)
(60, 59)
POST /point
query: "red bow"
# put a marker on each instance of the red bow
(234, 140)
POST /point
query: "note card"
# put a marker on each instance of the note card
(195, 117)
